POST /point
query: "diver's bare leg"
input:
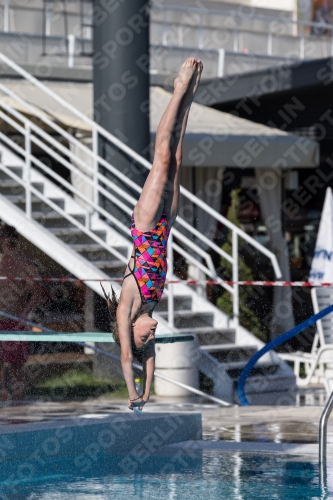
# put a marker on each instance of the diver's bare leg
(173, 185)
(150, 205)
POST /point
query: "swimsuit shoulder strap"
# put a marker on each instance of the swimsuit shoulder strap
(131, 270)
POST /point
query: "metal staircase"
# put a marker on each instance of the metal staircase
(79, 234)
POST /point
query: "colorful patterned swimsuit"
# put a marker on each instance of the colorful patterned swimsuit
(150, 260)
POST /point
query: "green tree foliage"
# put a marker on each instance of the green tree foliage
(247, 318)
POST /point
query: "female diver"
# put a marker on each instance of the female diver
(131, 319)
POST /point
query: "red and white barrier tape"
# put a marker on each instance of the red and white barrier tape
(183, 282)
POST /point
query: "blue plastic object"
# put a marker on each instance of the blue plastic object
(271, 345)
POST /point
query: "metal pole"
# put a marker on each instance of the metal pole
(6, 16)
(27, 171)
(165, 33)
(235, 43)
(95, 164)
(47, 19)
(302, 45)
(71, 50)
(221, 61)
(171, 312)
(201, 44)
(270, 40)
(235, 279)
(323, 441)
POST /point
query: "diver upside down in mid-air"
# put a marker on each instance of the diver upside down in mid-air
(132, 325)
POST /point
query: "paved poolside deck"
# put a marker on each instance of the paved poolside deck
(261, 424)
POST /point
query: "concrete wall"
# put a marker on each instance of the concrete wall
(130, 441)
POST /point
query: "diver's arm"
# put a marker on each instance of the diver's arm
(148, 363)
(126, 356)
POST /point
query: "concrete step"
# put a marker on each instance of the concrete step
(182, 302)
(16, 170)
(191, 319)
(54, 220)
(9, 187)
(95, 253)
(73, 236)
(260, 371)
(113, 268)
(212, 336)
(38, 204)
(86, 247)
(230, 353)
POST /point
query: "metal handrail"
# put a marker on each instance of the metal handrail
(210, 269)
(96, 176)
(200, 11)
(298, 28)
(323, 441)
(135, 156)
(88, 180)
(241, 15)
(236, 28)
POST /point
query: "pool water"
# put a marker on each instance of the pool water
(171, 474)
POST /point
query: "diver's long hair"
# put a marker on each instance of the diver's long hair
(112, 303)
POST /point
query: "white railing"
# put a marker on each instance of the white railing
(194, 18)
(35, 135)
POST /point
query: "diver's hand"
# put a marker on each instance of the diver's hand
(136, 403)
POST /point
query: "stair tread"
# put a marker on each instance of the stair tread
(17, 170)
(71, 231)
(81, 247)
(53, 215)
(109, 263)
(206, 330)
(13, 183)
(16, 198)
(227, 347)
(178, 297)
(241, 364)
(188, 312)
(234, 371)
(9, 182)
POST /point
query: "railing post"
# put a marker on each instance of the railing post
(71, 51)
(47, 19)
(235, 279)
(331, 42)
(323, 441)
(269, 40)
(171, 319)
(95, 164)
(302, 45)
(6, 16)
(164, 34)
(201, 44)
(27, 171)
(235, 41)
(221, 61)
